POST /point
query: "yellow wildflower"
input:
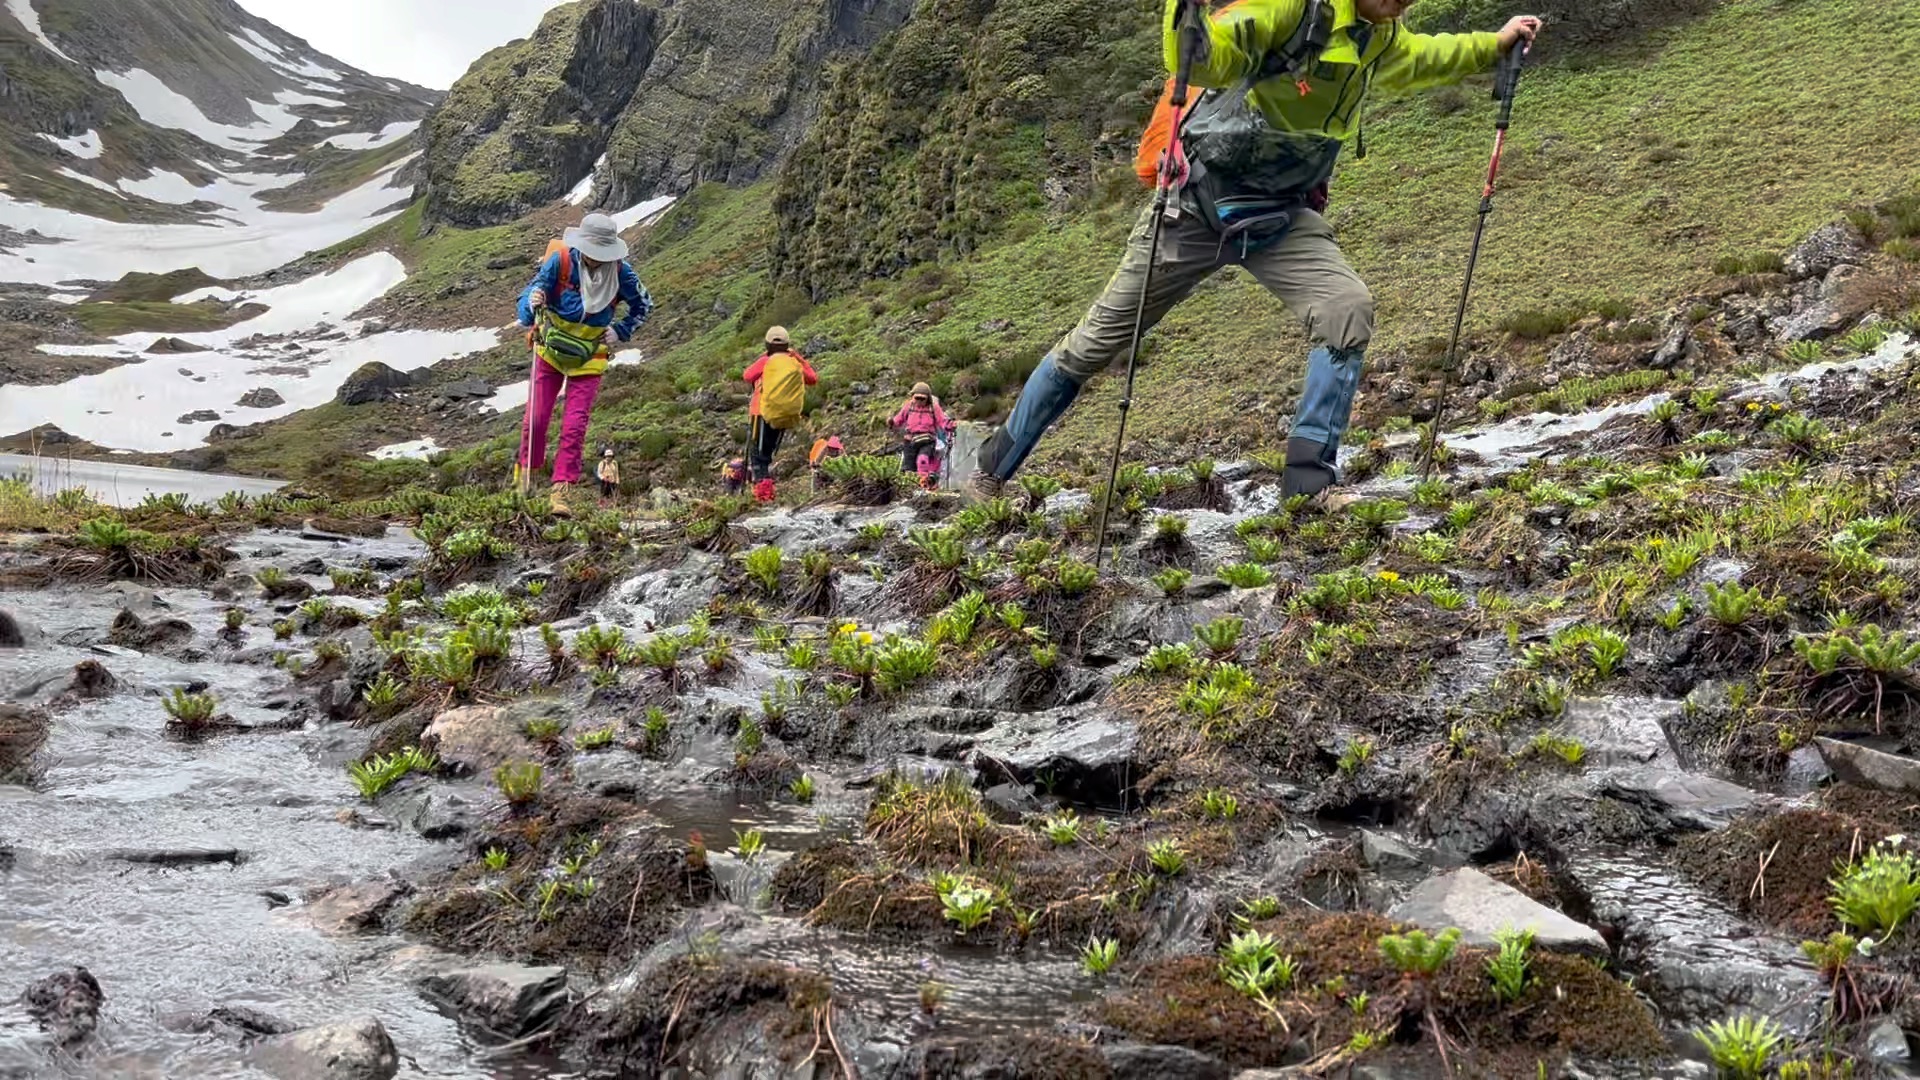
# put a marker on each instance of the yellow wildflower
(1753, 406)
(1389, 576)
(866, 637)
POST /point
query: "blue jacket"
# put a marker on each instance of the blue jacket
(568, 306)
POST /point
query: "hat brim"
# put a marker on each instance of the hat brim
(606, 251)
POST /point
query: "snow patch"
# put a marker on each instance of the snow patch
(252, 242)
(419, 450)
(265, 51)
(387, 136)
(261, 40)
(634, 215)
(30, 19)
(583, 190)
(85, 146)
(90, 181)
(134, 406)
(235, 191)
(159, 105)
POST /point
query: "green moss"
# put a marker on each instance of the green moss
(157, 317)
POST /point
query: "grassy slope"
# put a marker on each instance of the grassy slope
(1630, 173)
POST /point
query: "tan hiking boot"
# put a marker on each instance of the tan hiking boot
(982, 486)
(557, 500)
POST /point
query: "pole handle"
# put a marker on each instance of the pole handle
(1195, 46)
(1506, 80)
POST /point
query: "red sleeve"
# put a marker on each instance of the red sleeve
(808, 369)
(754, 371)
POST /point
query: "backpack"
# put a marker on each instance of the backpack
(1237, 128)
(566, 348)
(783, 390)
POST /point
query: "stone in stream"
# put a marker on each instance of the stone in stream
(10, 635)
(92, 680)
(178, 857)
(1482, 907)
(66, 1004)
(484, 737)
(1867, 767)
(1130, 1061)
(357, 1049)
(1085, 755)
(132, 632)
(1686, 801)
(351, 909)
(22, 732)
(1388, 853)
(509, 1000)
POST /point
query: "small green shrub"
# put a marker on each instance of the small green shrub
(1416, 953)
(1742, 1047)
(1099, 956)
(519, 782)
(1173, 581)
(1878, 892)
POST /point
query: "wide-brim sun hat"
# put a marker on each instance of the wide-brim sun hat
(597, 237)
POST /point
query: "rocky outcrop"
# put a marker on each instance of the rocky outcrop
(173, 346)
(265, 397)
(372, 381)
(670, 95)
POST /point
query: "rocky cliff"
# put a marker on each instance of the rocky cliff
(644, 97)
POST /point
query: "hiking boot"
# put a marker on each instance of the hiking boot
(982, 486)
(557, 500)
(763, 491)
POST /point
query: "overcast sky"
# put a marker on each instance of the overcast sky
(427, 42)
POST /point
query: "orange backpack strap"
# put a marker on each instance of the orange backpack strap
(1154, 141)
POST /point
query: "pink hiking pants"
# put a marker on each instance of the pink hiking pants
(581, 390)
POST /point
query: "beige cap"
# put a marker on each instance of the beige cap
(777, 335)
(920, 389)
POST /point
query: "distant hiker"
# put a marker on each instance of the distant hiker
(569, 306)
(734, 475)
(1260, 149)
(780, 379)
(922, 421)
(830, 447)
(609, 474)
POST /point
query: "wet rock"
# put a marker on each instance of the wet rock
(1084, 755)
(372, 381)
(615, 774)
(248, 1023)
(352, 909)
(1828, 247)
(310, 531)
(198, 416)
(507, 999)
(66, 1004)
(10, 634)
(1867, 767)
(481, 738)
(358, 1049)
(1807, 769)
(23, 732)
(178, 857)
(1687, 801)
(1887, 1043)
(667, 596)
(130, 631)
(442, 815)
(173, 346)
(1623, 730)
(264, 397)
(473, 386)
(1133, 1062)
(1388, 853)
(1010, 803)
(1482, 907)
(1677, 346)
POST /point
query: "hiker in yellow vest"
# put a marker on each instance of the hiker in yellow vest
(780, 379)
(569, 306)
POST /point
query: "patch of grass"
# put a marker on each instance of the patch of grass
(160, 317)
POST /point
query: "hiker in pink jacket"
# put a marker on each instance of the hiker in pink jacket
(921, 420)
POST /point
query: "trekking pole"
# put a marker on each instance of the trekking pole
(523, 461)
(1190, 24)
(1506, 82)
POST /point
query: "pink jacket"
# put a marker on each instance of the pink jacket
(920, 421)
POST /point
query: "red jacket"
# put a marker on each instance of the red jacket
(759, 368)
(920, 421)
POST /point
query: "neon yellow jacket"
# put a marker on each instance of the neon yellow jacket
(1395, 59)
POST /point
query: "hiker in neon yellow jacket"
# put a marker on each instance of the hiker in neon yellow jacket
(570, 305)
(1260, 147)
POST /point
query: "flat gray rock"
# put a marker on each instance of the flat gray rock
(1857, 764)
(1688, 800)
(357, 1049)
(508, 999)
(1482, 907)
(1624, 730)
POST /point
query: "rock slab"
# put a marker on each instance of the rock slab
(1861, 765)
(507, 999)
(1482, 907)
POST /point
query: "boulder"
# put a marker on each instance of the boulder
(357, 1049)
(1858, 764)
(11, 636)
(1687, 801)
(1829, 246)
(66, 1004)
(132, 632)
(264, 397)
(481, 738)
(1388, 853)
(92, 680)
(174, 346)
(1482, 907)
(352, 909)
(1623, 730)
(372, 381)
(509, 1000)
(1887, 1043)
(1130, 1061)
(198, 416)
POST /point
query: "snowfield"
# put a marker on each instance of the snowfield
(85, 146)
(386, 136)
(137, 406)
